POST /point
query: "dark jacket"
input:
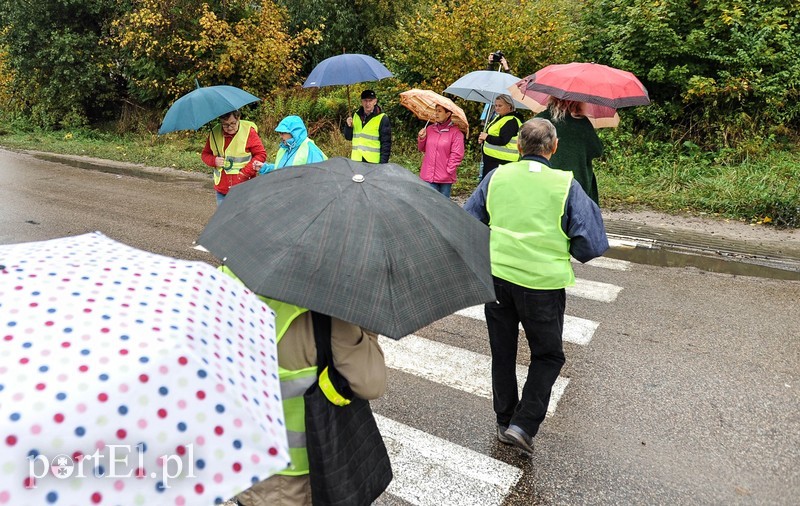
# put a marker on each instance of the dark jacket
(578, 144)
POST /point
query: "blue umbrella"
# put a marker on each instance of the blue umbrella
(202, 105)
(484, 86)
(346, 69)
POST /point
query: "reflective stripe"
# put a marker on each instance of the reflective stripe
(239, 159)
(365, 136)
(506, 149)
(296, 387)
(372, 150)
(330, 391)
(296, 439)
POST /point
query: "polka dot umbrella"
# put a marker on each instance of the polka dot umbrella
(132, 378)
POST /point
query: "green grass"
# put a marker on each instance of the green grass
(633, 174)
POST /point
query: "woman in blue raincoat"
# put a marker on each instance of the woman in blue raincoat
(295, 147)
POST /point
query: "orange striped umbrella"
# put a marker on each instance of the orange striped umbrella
(423, 104)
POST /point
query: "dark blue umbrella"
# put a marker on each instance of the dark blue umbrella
(346, 69)
(202, 105)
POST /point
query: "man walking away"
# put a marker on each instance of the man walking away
(538, 217)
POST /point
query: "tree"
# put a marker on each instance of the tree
(717, 70)
(167, 45)
(341, 27)
(440, 42)
(62, 72)
(349, 26)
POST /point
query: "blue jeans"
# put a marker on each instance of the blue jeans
(220, 198)
(443, 188)
(541, 313)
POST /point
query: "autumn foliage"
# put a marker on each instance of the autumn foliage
(169, 45)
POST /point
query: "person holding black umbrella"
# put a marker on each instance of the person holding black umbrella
(370, 130)
(538, 217)
(357, 357)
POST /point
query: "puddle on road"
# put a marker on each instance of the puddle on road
(124, 171)
(667, 258)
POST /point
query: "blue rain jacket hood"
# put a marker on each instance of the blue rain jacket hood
(294, 126)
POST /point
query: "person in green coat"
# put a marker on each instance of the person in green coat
(578, 143)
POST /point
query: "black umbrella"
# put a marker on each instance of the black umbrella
(370, 244)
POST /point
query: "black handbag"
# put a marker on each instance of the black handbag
(348, 461)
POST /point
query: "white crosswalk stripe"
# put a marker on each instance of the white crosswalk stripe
(437, 362)
(608, 263)
(576, 330)
(594, 290)
(432, 471)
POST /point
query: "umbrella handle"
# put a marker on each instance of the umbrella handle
(215, 141)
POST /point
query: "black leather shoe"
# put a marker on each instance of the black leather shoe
(520, 439)
(501, 435)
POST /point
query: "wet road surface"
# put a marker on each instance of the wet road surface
(681, 385)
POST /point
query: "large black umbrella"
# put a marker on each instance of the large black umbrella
(370, 244)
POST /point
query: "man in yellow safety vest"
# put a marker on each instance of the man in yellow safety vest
(370, 130)
(538, 217)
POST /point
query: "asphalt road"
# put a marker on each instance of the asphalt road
(686, 389)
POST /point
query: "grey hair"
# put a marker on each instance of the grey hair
(537, 136)
(507, 99)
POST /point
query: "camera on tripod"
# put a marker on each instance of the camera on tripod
(497, 56)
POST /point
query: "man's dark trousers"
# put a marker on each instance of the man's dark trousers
(541, 313)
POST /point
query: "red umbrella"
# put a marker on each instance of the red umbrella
(599, 115)
(590, 82)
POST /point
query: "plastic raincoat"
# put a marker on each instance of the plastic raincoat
(288, 150)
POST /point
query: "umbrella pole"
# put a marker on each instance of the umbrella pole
(349, 107)
(215, 142)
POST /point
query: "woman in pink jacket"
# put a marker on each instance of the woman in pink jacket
(443, 146)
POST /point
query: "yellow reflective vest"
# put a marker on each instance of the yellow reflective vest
(300, 158)
(294, 384)
(508, 152)
(527, 245)
(366, 139)
(236, 156)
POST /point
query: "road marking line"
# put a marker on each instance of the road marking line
(607, 263)
(621, 243)
(454, 367)
(576, 330)
(594, 290)
(431, 471)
